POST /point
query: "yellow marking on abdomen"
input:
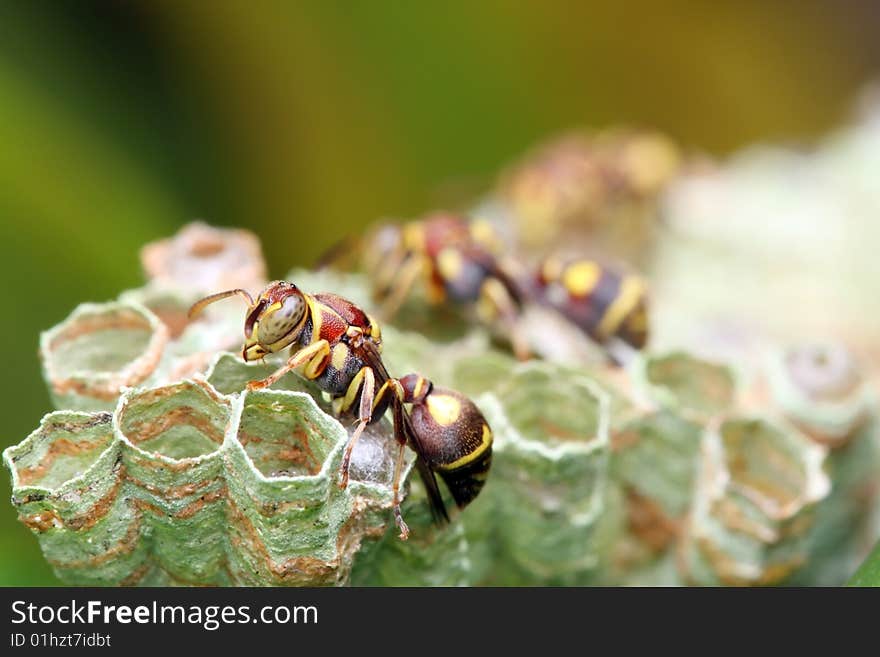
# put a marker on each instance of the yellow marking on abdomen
(485, 444)
(580, 278)
(444, 409)
(638, 321)
(628, 297)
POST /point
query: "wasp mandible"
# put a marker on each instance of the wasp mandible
(338, 346)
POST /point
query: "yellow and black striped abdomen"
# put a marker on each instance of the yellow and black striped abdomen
(465, 482)
(455, 440)
(603, 302)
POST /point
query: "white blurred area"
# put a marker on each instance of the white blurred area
(776, 245)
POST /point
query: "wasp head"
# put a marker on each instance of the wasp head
(274, 320)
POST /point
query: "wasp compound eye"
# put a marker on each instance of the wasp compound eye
(278, 320)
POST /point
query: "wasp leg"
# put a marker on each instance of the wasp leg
(495, 301)
(400, 436)
(365, 382)
(314, 356)
(398, 516)
(401, 287)
(368, 403)
(386, 270)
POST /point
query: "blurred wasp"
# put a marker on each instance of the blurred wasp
(609, 305)
(454, 260)
(338, 346)
(583, 194)
(463, 262)
(599, 191)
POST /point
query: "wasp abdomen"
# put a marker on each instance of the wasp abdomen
(455, 439)
(466, 482)
(603, 302)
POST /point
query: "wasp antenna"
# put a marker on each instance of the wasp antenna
(198, 306)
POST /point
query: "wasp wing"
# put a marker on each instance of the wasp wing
(435, 500)
(368, 352)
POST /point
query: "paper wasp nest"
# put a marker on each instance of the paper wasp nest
(183, 485)
(160, 477)
(740, 448)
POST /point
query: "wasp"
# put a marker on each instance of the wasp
(460, 261)
(606, 303)
(338, 346)
(456, 441)
(595, 185)
(456, 261)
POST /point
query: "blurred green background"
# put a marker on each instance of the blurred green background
(304, 121)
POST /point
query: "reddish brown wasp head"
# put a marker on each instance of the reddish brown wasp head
(274, 320)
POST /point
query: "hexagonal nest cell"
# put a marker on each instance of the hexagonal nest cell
(98, 350)
(696, 387)
(279, 438)
(551, 404)
(180, 421)
(771, 467)
(201, 257)
(64, 447)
